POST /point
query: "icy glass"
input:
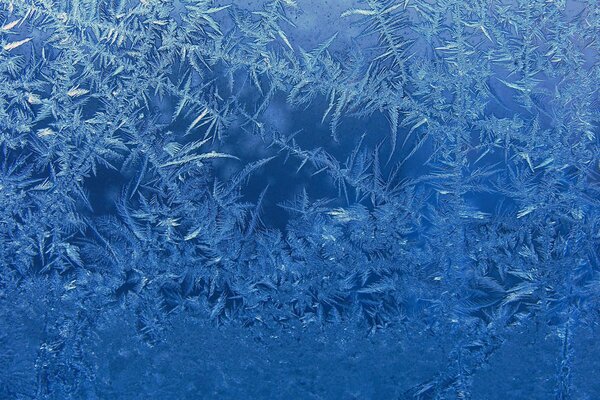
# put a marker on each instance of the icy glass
(300, 199)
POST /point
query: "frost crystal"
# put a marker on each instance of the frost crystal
(371, 199)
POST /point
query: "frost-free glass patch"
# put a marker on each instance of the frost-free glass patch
(299, 199)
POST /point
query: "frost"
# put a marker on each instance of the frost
(423, 173)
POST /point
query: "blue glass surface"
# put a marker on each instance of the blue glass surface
(299, 199)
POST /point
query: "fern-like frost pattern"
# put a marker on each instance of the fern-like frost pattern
(299, 199)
